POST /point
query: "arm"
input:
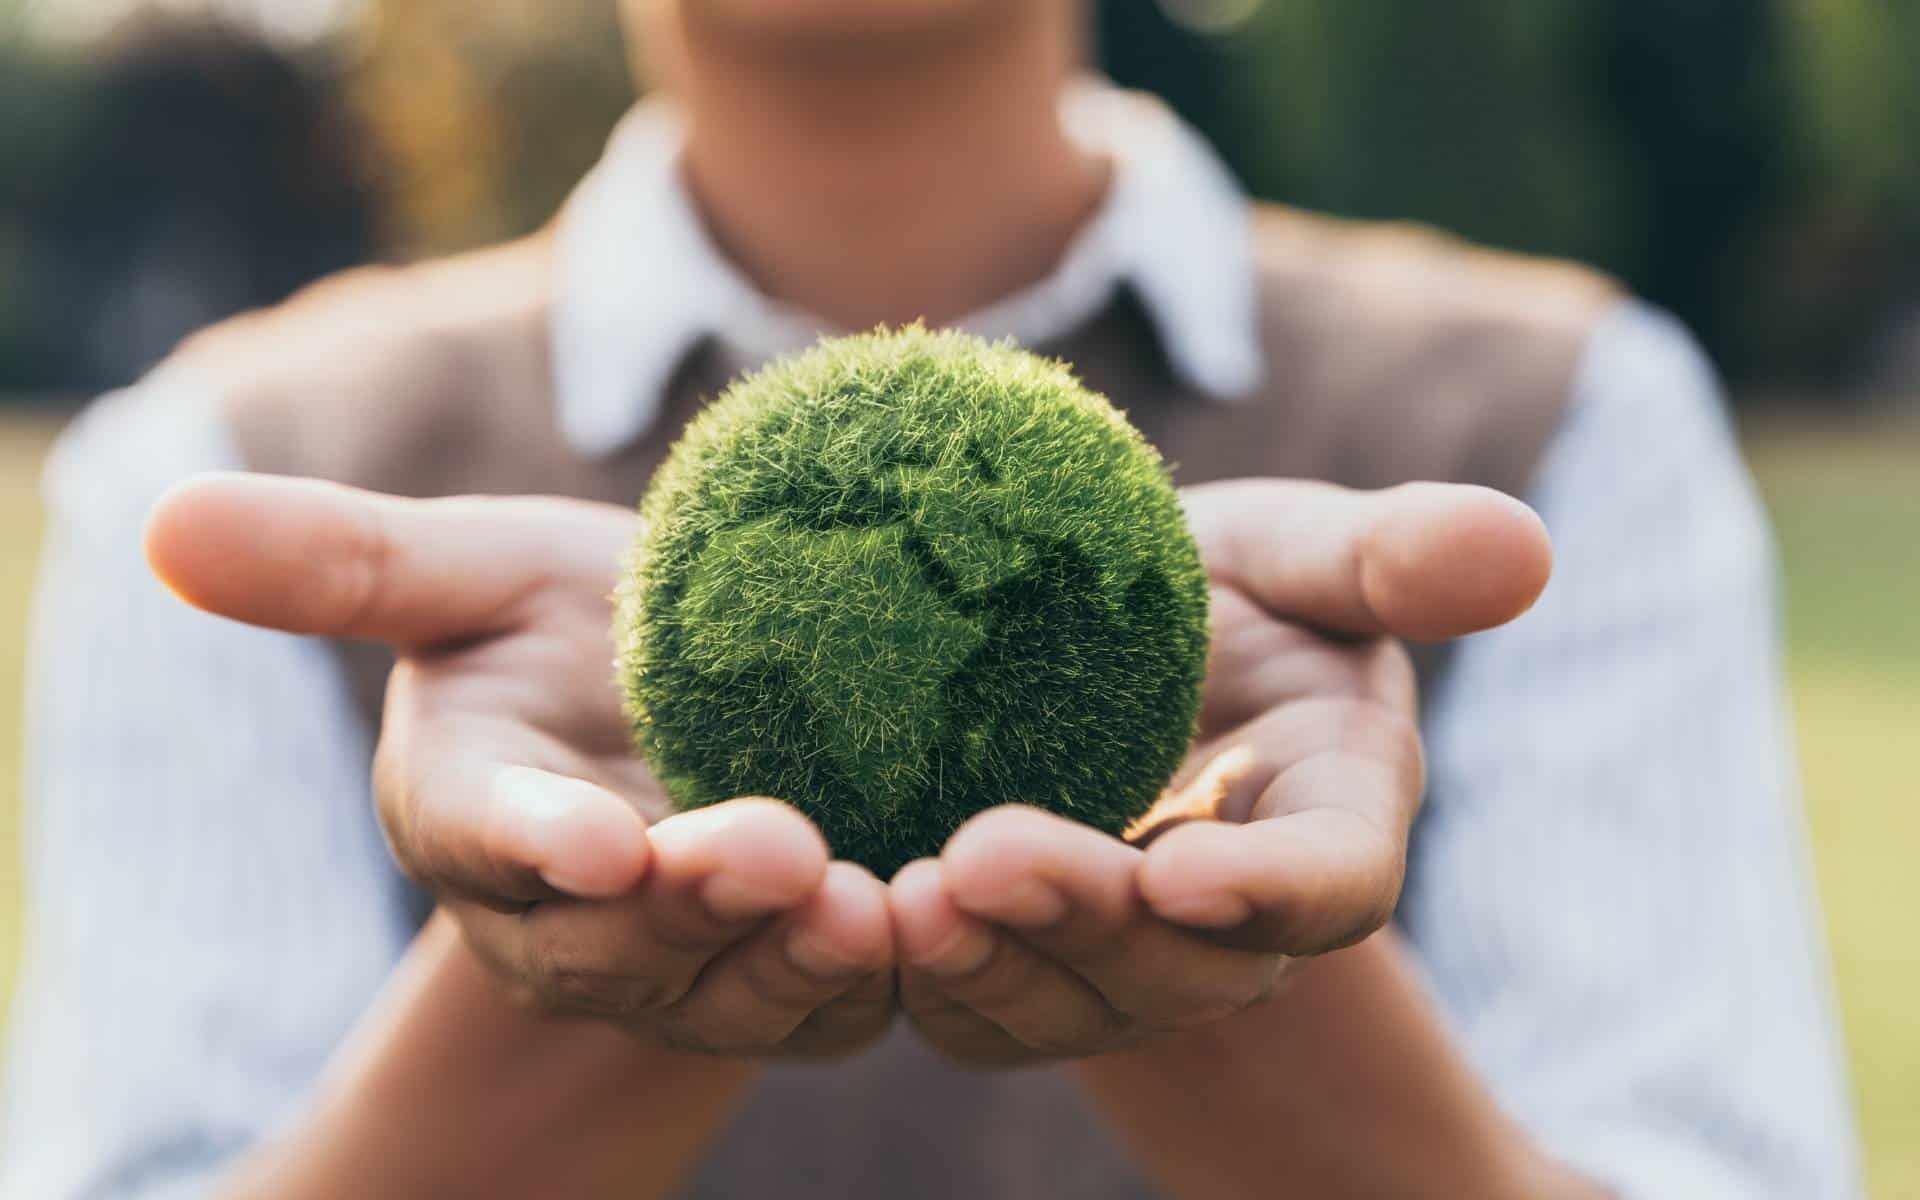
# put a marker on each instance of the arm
(448, 1090)
(1610, 893)
(1346, 1083)
(209, 905)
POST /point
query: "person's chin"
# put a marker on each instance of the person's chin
(825, 23)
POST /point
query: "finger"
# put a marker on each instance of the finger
(1297, 885)
(957, 1031)
(752, 998)
(1041, 1004)
(717, 875)
(1040, 873)
(505, 836)
(1424, 561)
(849, 1022)
(1069, 892)
(730, 863)
(311, 557)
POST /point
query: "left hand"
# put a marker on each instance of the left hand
(1285, 834)
(505, 780)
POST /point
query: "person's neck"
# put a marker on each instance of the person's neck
(923, 183)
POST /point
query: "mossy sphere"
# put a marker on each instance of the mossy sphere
(905, 577)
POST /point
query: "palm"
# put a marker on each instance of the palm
(541, 696)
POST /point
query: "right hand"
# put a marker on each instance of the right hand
(505, 778)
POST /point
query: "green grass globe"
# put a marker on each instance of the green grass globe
(905, 577)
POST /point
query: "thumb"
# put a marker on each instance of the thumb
(1423, 561)
(310, 557)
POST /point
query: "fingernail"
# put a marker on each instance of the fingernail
(1205, 910)
(812, 954)
(966, 950)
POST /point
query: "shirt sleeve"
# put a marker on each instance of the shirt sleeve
(209, 904)
(1610, 888)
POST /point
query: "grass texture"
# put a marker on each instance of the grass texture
(908, 576)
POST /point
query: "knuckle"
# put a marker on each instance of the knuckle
(1392, 668)
(722, 1034)
(394, 805)
(753, 1042)
(1202, 1000)
(1373, 917)
(999, 978)
(1346, 917)
(785, 987)
(570, 984)
(681, 1039)
(1079, 1033)
(1329, 923)
(363, 571)
(1224, 996)
(1397, 736)
(595, 993)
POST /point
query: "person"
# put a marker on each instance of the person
(1601, 978)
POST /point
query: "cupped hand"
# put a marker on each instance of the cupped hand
(1285, 834)
(505, 780)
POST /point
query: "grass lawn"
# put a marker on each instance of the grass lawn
(1848, 509)
(22, 442)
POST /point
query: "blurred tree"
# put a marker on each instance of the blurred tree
(1844, 270)
(1699, 96)
(1142, 45)
(187, 172)
(1394, 111)
(1747, 163)
(487, 114)
(47, 105)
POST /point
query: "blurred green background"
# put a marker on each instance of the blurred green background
(1751, 164)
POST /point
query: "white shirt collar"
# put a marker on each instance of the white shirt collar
(641, 282)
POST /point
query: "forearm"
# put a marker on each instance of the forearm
(447, 1089)
(1344, 1084)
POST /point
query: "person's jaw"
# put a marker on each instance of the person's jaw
(829, 29)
